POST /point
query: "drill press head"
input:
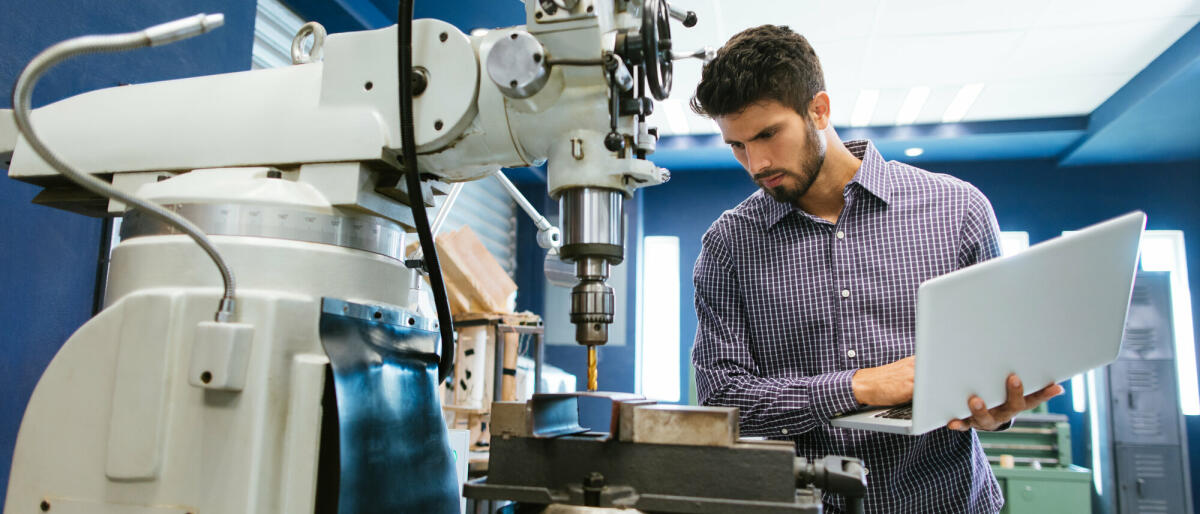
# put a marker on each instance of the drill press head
(593, 239)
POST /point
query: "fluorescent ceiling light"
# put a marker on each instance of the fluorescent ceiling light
(864, 107)
(912, 106)
(962, 103)
(914, 151)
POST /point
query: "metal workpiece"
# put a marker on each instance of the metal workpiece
(686, 425)
(625, 419)
(554, 415)
(359, 232)
(517, 64)
(549, 415)
(511, 419)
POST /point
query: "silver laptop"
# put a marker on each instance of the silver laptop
(1048, 313)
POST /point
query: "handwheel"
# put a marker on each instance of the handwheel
(656, 47)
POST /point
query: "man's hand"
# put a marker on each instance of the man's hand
(983, 418)
(890, 384)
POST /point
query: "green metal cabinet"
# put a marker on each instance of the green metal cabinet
(1042, 479)
(1058, 490)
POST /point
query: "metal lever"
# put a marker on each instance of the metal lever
(705, 54)
(548, 235)
(619, 80)
(688, 18)
(439, 220)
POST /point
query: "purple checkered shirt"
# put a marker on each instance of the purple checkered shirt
(790, 305)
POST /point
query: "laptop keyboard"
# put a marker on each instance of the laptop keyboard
(904, 412)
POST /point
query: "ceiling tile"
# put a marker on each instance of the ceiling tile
(901, 18)
(817, 20)
(936, 60)
(1095, 49)
(1089, 12)
(939, 100)
(1063, 96)
(841, 61)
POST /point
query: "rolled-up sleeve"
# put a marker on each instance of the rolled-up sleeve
(726, 373)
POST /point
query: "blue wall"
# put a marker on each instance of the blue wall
(1035, 196)
(48, 258)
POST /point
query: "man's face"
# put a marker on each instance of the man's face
(781, 149)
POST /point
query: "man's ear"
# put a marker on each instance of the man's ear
(818, 110)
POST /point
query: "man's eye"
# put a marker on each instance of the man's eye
(766, 135)
(735, 146)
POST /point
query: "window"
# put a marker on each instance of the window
(658, 369)
(1013, 241)
(1163, 250)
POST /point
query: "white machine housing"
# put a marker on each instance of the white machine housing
(116, 424)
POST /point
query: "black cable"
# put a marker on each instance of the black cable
(416, 200)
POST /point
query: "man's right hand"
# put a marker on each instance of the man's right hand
(890, 384)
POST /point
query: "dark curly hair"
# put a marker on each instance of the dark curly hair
(769, 62)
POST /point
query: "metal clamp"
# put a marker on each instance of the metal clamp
(317, 53)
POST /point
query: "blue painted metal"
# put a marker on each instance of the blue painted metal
(344, 15)
(350, 15)
(1153, 117)
(554, 415)
(471, 15)
(394, 449)
(48, 257)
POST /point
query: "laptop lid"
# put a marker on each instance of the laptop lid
(1048, 313)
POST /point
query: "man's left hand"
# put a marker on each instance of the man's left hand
(983, 418)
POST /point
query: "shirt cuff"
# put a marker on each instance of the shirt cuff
(832, 394)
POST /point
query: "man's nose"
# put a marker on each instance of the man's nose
(757, 160)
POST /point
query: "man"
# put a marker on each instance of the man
(806, 291)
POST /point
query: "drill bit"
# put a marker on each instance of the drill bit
(592, 386)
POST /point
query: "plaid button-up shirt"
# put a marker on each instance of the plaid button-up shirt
(790, 306)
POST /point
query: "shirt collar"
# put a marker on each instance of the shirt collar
(872, 176)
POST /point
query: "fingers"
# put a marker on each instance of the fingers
(960, 425)
(981, 417)
(1015, 402)
(1041, 396)
(1016, 395)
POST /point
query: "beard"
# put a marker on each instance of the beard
(812, 157)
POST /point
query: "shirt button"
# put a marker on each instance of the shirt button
(845, 293)
(841, 235)
(783, 431)
(851, 353)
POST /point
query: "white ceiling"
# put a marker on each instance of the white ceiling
(1035, 58)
